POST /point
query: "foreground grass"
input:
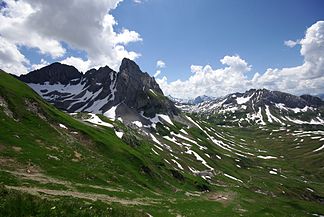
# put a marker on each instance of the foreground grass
(14, 203)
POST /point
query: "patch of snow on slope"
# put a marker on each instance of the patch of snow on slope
(199, 158)
(156, 119)
(242, 100)
(178, 165)
(96, 120)
(112, 87)
(183, 131)
(320, 148)
(295, 110)
(154, 151)
(272, 118)
(111, 113)
(166, 118)
(152, 91)
(183, 137)
(155, 139)
(138, 123)
(62, 126)
(119, 134)
(266, 157)
(174, 140)
(273, 172)
(317, 121)
(61, 88)
(88, 95)
(232, 177)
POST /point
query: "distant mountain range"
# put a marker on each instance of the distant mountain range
(195, 101)
(261, 106)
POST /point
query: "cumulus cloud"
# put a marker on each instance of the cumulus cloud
(83, 25)
(11, 59)
(78, 63)
(291, 43)
(160, 64)
(209, 81)
(305, 78)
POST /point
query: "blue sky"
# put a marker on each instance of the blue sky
(183, 32)
(211, 47)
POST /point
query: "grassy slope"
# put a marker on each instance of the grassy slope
(94, 161)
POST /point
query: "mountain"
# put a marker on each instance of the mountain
(173, 163)
(129, 93)
(195, 101)
(321, 96)
(262, 107)
(200, 99)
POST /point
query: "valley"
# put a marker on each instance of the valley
(88, 145)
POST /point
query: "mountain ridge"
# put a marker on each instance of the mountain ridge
(99, 90)
(260, 106)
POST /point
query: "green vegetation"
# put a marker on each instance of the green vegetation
(85, 170)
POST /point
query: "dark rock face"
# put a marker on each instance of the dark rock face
(98, 90)
(54, 73)
(140, 91)
(313, 100)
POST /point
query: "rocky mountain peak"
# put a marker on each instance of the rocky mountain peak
(129, 66)
(53, 73)
(98, 90)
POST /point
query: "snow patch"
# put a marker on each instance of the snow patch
(232, 177)
(94, 119)
(119, 134)
(111, 113)
(320, 148)
(62, 126)
(266, 157)
(242, 100)
(138, 123)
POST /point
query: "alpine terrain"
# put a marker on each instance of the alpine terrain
(110, 143)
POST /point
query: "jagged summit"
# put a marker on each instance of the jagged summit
(129, 65)
(99, 90)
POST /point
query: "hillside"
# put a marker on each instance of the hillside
(155, 163)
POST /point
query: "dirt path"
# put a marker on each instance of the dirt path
(81, 195)
(73, 192)
(41, 178)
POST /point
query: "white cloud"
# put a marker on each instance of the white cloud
(160, 64)
(291, 43)
(11, 60)
(83, 25)
(236, 63)
(78, 63)
(42, 64)
(158, 72)
(305, 78)
(209, 81)
(138, 1)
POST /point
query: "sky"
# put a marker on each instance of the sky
(191, 47)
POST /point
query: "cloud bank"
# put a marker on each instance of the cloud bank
(305, 78)
(45, 25)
